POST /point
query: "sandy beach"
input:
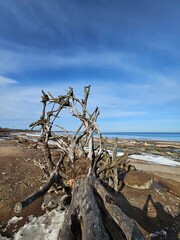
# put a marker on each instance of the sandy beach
(151, 194)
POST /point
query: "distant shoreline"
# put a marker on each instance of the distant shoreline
(136, 136)
(165, 152)
(144, 136)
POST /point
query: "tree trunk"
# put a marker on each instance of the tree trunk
(84, 218)
(94, 214)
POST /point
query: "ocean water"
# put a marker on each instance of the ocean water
(164, 136)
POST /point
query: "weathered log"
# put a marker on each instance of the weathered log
(48, 155)
(84, 219)
(94, 214)
(127, 224)
(20, 205)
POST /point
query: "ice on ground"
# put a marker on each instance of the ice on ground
(118, 153)
(14, 220)
(162, 233)
(4, 238)
(151, 158)
(156, 159)
(5, 138)
(45, 227)
(33, 134)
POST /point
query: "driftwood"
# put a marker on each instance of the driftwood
(18, 207)
(93, 212)
(84, 219)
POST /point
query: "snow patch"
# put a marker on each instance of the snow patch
(4, 238)
(162, 233)
(156, 159)
(33, 134)
(45, 227)
(14, 220)
(151, 158)
(118, 153)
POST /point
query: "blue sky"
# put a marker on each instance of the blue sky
(129, 51)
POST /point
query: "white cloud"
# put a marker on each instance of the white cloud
(116, 100)
(168, 82)
(30, 59)
(20, 105)
(7, 81)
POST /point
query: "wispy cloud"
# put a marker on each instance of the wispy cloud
(116, 100)
(7, 81)
(28, 60)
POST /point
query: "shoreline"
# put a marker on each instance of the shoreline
(142, 159)
(144, 140)
(169, 149)
(158, 152)
(121, 136)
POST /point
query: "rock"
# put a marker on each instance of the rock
(22, 140)
(40, 146)
(32, 145)
(138, 179)
(171, 185)
(143, 180)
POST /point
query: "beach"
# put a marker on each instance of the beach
(150, 194)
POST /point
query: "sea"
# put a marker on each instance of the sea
(163, 136)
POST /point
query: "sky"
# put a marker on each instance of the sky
(129, 51)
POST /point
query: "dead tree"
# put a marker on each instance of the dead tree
(93, 213)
